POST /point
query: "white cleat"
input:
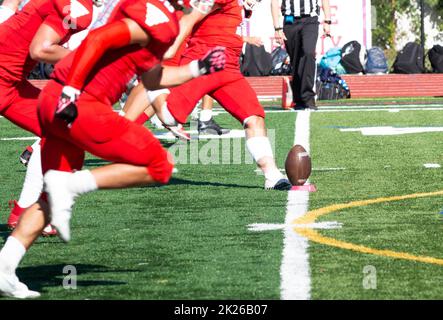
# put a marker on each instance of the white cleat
(10, 286)
(61, 201)
(278, 184)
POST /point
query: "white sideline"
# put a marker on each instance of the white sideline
(294, 271)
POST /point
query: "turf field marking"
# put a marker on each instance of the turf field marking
(233, 134)
(391, 131)
(294, 271)
(259, 227)
(260, 173)
(19, 139)
(432, 165)
(314, 236)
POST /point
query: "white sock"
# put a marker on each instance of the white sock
(82, 182)
(11, 254)
(33, 184)
(273, 175)
(205, 115)
(259, 147)
(156, 121)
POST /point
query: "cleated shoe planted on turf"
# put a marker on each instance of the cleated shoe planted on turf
(10, 286)
(211, 127)
(61, 200)
(278, 184)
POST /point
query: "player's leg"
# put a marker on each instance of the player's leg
(182, 99)
(22, 108)
(22, 111)
(206, 123)
(240, 100)
(32, 186)
(142, 105)
(57, 154)
(8, 8)
(32, 223)
(158, 98)
(140, 158)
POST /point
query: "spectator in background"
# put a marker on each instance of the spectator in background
(299, 31)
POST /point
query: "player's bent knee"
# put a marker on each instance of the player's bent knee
(254, 122)
(166, 117)
(160, 169)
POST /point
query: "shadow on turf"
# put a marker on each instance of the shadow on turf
(38, 277)
(4, 231)
(178, 181)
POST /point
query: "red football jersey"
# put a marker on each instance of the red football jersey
(108, 79)
(219, 28)
(66, 17)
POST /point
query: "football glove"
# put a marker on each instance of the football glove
(66, 108)
(213, 61)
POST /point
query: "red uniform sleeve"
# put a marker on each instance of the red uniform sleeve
(111, 36)
(157, 18)
(70, 16)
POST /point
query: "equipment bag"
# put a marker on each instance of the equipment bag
(256, 61)
(331, 60)
(409, 59)
(353, 57)
(436, 58)
(281, 64)
(377, 62)
(330, 86)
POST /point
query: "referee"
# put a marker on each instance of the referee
(299, 31)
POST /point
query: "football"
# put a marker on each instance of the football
(298, 165)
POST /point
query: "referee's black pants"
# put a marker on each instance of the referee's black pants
(301, 42)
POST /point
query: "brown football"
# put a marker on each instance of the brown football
(298, 165)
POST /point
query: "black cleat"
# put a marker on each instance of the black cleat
(26, 155)
(211, 127)
(282, 184)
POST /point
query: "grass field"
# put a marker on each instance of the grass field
(190, 239)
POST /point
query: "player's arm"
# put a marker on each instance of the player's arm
(12, 4)
(118, 34)
(200, 9)
(45, 46)
(161, 77)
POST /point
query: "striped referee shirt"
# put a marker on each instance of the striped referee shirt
(299, 8)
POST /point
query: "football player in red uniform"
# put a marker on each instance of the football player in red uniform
(215, 22)
(34, 34)
(75, 110)
(8, 8)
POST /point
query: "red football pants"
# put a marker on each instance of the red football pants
(18, 104)
(100, 131)
(229, 88)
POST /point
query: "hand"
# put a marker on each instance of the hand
(280, 37)
(213, 61)
(327, 30)
(169, 54)
(66, 108)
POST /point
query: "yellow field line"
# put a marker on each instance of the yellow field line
(313, 235)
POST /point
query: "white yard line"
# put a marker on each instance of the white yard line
(294, 271)
(396, 108)
(19, 139)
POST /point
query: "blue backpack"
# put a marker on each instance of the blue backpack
(331, 60)
(377, 62)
